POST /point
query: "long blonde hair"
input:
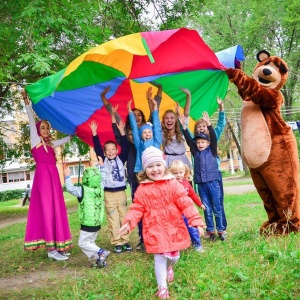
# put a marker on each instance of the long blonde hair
(166, 133)
(179, 165)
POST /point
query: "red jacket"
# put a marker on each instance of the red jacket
(161, 204)
(191, 193)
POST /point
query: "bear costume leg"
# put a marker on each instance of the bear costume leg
(277, 184)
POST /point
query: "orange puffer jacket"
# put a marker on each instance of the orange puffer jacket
(161, 204)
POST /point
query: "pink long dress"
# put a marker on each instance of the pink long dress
(47, 222)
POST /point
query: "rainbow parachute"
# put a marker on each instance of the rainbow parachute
(70, 99)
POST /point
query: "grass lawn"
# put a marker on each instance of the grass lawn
(245, 266)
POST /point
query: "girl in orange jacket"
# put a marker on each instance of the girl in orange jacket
(160, 201)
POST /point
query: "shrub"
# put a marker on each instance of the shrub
(10, 195)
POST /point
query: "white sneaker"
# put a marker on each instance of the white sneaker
(56, 256)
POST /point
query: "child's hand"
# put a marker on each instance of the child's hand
(67, 171)
(201, 231)
(203, 206)
(220, 103)
(149, 93)
(129, 106)
(186, 91)
(205, 117)
(149, 98)
(114, 109)
(100, 161)
(124, 229)
(25, 97)
(121, 127)
(93, 125)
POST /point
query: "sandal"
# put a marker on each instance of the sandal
(163, 293)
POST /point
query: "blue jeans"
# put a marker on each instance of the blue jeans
(194, 233)
(133, 187)
(210, 194)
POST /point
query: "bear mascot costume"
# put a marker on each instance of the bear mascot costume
(269, 147)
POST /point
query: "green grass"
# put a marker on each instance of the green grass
(236, 183)
(245, 266)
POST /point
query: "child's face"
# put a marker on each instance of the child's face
(110, 151)
(44, 130)
(201, 127)
(169, 120)
(202, 144)
(147, 134)
(155, 171)
(138, 117)
(179, 174)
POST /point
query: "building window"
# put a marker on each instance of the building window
(16, 177)
(3, 178)
(22, 176)
(10, 177)
(74, 170)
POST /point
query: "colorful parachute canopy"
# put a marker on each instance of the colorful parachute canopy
(230, 56)
(70, 99)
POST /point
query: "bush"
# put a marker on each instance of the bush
(10, 195)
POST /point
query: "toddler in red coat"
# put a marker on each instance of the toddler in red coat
(160, 201)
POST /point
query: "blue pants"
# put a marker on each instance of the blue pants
(194, 233)
(133, 187)
(210, 194)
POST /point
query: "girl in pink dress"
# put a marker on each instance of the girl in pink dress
(47, 222)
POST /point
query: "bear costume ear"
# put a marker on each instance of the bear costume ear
(262, 55)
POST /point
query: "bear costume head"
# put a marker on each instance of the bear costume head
(271, 72)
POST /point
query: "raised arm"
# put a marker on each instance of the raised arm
(134, 126)
(107, 105)
(34, 137)
(187, 135)
(62, 141)
(124, 142)
(157, 98)
(114, 124)
(97, 145)
(157, 132)
(221, 120)
(187, 106)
